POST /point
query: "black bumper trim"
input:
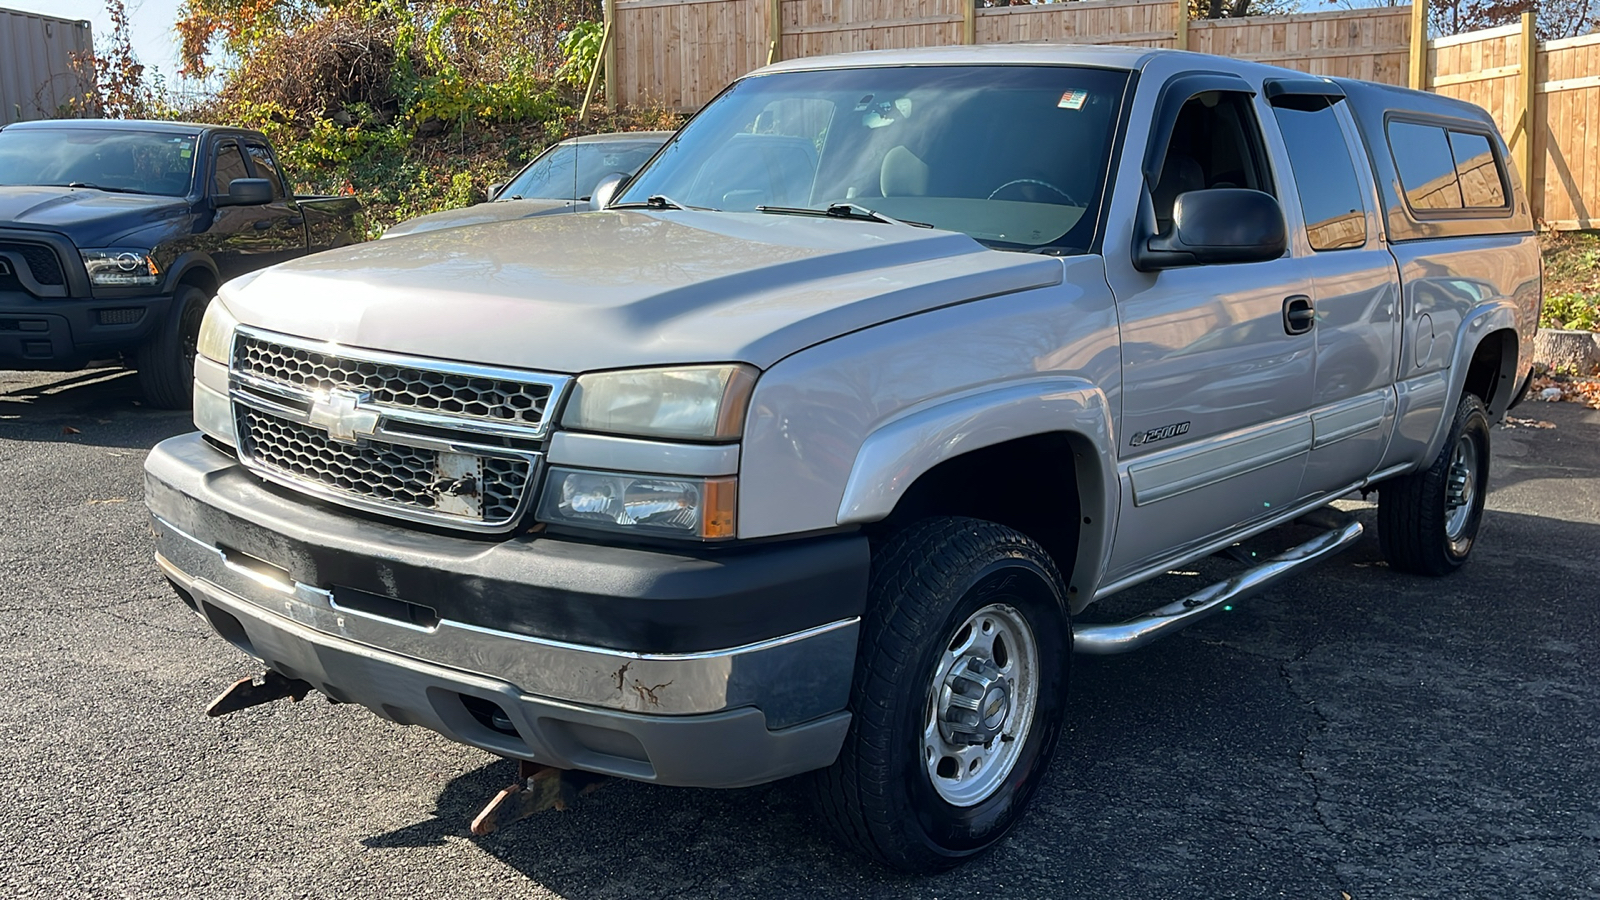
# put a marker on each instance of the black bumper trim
(620, 598)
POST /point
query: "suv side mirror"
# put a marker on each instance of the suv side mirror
(247, 192)
(608, 188)
(1219, 225)
(495, 189)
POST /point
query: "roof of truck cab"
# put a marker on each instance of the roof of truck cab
(1105, 57)
(617, 137)
(160, 126)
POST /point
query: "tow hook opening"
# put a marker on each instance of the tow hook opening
(490, 715)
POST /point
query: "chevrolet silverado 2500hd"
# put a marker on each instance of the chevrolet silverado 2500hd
(806, 453)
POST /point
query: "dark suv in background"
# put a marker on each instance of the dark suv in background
(114, 235)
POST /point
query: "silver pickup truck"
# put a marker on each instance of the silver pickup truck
(805, 454)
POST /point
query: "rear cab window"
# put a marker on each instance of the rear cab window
(1448, 171)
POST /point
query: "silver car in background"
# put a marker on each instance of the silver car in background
(557, 181)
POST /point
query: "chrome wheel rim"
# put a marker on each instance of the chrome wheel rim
(1461, 487)
(980, 705)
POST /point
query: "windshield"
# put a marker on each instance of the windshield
(1014, 156)
(143, 162)
(570, 171)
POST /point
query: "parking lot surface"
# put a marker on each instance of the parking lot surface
(1353, 733)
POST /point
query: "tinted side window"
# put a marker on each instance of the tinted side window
(1427, 167)
(266, 168)
(1479, 172)
(1330, 194)
(1216, 143)
(230, 165)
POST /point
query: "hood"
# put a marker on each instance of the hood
(496, 211)
(91, 218)
(628, 288)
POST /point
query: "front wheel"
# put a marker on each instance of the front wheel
(1428, 520)
(958, 694)
(166, 359)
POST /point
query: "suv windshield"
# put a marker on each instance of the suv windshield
(1015, 156)
(142, 162)
(570, 171)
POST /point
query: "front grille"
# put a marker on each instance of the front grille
(379, 472)
(418, 439)
(455, 394)
(41, 261)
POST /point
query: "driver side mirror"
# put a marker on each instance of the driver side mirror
(495, 189)
(608, 188)
(246, 192)
(1217, 225)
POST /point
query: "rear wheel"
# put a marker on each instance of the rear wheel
(1428, 520)
(166, 359)
(958, 693)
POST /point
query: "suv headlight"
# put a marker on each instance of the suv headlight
(120, 268)
(703, 403)
(662, 505)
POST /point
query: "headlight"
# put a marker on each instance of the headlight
(664, 505)
(216, 333)
(120, 268)
(705, 403)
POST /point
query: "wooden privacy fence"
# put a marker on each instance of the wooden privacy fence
(680, 53)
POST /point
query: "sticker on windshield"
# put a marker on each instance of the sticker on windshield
(1072, 100)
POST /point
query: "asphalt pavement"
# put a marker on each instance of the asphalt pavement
(1352, 734)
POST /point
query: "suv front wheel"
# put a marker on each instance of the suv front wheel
(958, 695)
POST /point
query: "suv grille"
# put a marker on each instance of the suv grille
(469, 396)
(41, 261)
(422, 440)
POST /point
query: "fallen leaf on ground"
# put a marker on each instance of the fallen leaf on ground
(1553, 389)
(1514, 422)
(68, 429)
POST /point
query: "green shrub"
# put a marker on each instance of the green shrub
(1576, 310)
(580, 53)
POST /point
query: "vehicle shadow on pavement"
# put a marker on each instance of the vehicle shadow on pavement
(1339, 732)
(99, 407)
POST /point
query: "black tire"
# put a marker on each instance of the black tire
(1419, 527)
(927, 582)
(166, 359)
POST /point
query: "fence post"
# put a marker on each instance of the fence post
(774, 31)
(1529, 77)
(969, 21)
(594, 74)
(1419, 45)
(608, 55)
(1182, 35)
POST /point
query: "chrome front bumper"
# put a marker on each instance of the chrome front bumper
(728, 717)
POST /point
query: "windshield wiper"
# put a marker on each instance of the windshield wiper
(840, 211)
(96, 187)
(660, 201)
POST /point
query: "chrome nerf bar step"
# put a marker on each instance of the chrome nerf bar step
(1103, 640)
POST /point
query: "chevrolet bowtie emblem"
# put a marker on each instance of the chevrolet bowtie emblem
(340, 413)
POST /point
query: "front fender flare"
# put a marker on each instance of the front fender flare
(902, 449)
